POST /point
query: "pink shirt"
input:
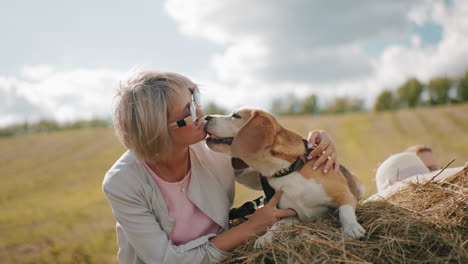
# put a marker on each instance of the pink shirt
(190, 221)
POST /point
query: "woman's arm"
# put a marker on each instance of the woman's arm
(152, 244)
(256, 225)
(146, 236)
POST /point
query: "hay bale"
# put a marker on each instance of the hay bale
(422, 223)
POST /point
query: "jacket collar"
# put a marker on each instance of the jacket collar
(206, 192)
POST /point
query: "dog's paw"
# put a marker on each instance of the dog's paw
(264, 240)
(354, 230)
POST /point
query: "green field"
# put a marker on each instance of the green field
(53, 209)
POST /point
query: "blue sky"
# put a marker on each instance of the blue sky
(429, 33)
(63, 59)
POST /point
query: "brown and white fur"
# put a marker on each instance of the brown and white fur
(257, 138)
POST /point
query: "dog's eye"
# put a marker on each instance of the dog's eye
(236, 116)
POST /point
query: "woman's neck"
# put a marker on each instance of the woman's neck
(174, 168)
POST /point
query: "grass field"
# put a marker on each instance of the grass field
(53, 209)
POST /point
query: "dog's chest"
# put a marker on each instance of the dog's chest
(305, 196)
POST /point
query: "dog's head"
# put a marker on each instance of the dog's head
(244, 132)
(249, 132)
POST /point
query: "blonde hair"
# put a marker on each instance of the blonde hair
(141, 108)
(418, 149)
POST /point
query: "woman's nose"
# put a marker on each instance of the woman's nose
(199, 113)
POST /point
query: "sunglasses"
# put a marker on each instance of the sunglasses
(192, 118)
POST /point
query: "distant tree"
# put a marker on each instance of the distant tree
(287, 105)
(277, 106)
(409, 93)
(438, 89)
(212, 108)
(45, 126)
(385, 101)
(309, 105)
(92, 123)
(345, 104)
(48, 126)
(292, 104)
(97, 122)
(462, 88)
(356, 104)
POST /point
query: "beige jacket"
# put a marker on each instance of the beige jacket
(143, 223)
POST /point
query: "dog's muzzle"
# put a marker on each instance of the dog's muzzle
(218, 140)
(213, 138)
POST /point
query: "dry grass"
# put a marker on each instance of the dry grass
(423, 223)
(53, 208)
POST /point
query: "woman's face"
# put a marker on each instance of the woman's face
(179, 109)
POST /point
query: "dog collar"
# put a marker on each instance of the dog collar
(297, 165)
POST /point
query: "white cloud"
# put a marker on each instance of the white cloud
(241, 60)
(36, 72)
(13, 106)
(45, 92)
(301, 41)
(191, 16)
(449, 57)
(416, 41)
(275, 47)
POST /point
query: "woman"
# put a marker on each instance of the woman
(169, 194)
(417, 164)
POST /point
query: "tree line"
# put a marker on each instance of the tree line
(47, 126)
(412, 93)
(292, 105)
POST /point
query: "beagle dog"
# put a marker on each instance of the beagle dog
(257, 138)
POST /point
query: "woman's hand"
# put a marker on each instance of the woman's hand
(324, 148)
(267, 215)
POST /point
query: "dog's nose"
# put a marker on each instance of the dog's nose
(207, 118)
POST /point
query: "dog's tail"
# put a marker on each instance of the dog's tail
(356, 187)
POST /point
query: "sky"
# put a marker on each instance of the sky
(63, 60)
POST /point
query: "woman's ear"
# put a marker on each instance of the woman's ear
(257, 134)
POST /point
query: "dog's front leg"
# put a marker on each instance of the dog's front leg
(267, 238)
(351, 227)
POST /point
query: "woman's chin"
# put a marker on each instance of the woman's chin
(202, 136)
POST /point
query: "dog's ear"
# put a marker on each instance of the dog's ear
(257, 134)
(238, 164)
